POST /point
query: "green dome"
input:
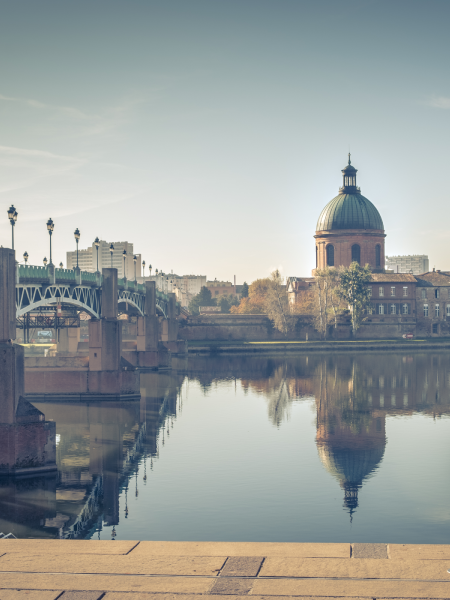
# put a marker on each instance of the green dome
(349, 211)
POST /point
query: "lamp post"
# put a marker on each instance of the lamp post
(25, 256)
(77, 235)
(50, 227)
(135, 260)
(150, 269)
(45, 261)
(97, 244)
(12, 216)
(111, 250)
(124, 259)
(143, 268)
(61, 266)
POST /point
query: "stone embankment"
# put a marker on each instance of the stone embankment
(127, 570)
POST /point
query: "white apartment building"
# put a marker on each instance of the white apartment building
(87, 259)
(415, 264)
(184, 286)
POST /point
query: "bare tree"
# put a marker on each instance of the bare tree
(277, 304)
(327, 303)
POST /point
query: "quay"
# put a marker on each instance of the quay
(37, 569)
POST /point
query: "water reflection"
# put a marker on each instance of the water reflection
(353, 393)
(102, 447)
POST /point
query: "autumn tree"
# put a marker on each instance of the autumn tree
(255, 303)
(353, 290)
(277, 304)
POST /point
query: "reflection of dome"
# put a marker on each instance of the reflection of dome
(350, 466)
(349, 211)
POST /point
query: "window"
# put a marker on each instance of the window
(381, 291)
(392, 291)
(436, 293)
(370, 291)
(381, 309)
(405, 310)
(448, 310)
(424, 294)
(377, 255)
(425, 310)
(436, 310)
(405, 290)
(393, 309)
(330, 255)
(435, 328)
(356, 253)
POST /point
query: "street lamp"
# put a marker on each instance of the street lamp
(25, 256)
(97, 244)
(45, 261)
(135, 260)
(143, 268)
(50, 227)
(111, 250)
(61, 266)
(124, 259)
(12, 216)
(150, 269)
(77, 235)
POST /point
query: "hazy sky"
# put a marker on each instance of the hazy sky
(212, 133)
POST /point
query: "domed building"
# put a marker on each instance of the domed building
(350, 229)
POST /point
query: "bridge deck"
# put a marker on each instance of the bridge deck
(128, 570)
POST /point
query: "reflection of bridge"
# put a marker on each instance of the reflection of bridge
(38, 287)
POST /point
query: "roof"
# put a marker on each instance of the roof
(393, 278)
(433, 279)
(349, 211)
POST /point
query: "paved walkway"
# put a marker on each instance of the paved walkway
(121, 570)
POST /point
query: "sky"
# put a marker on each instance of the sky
(212, 133)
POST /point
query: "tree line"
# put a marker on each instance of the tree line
(334, 292)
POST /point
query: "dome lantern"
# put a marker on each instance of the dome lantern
(349, 179)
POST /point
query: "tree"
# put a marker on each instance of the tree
(354, 291)
(244, 291)
(327, 302)
(226, 302)
(256, 302)
(203, 298)
(277, 304)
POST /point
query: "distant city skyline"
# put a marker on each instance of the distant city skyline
(213, 134)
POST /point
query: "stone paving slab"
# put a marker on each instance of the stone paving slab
(129, 565)
(369, 551)
(80, 596)
(106, 583)
(232, 585)
(363, 568)
(350, 589)
(242, 566)
(63, 546)
(242, 549)
(28, 595)
(419, 551)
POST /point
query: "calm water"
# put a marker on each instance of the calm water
(321, 448)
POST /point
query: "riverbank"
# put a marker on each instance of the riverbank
(224, 347)
(131, 570)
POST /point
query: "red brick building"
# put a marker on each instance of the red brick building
(350, 229)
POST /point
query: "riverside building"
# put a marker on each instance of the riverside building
(87, 258)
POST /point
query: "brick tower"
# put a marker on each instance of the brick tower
(350, 229)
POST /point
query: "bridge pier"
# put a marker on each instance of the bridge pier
(151, 353)
(169, 332)
(27, 441)
(68, 340)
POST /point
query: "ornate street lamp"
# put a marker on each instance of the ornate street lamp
(77, 235)
(124, 259)
(25, 256)
(12, 216)
(135, 260)
(97, 244)
(150, 269)
(143, 268)
(45, 261)
(61, 266)
(111, 250)
(50, 227)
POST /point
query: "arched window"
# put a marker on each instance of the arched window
(356, 253)
(330, 255)
(378, 255)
